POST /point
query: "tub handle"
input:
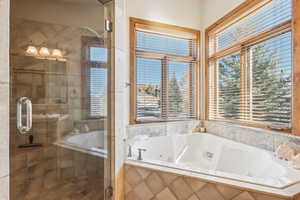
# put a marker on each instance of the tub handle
(141, 150)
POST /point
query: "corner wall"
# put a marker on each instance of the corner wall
(4, 99)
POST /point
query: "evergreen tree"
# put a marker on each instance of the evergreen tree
(174, 97)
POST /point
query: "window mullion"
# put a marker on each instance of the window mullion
(164, 97)
(243, 85)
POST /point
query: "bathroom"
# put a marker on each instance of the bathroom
(149, 100)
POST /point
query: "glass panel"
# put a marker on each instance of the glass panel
(180, 88)
(98, 92)
(148, 86)
(270, 83)
(228, 100)
(66, 152)
(275, 13)
(98, 54)
(163, 44)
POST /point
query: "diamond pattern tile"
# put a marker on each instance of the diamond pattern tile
(155, 183)
(209, 191)
(143, 192)
(194, 197)
(228, 192)
(168, 177)
(181, 189)
(195, 184)
(133, 177)
(143, 172)
(147, 184)
(258, 196)
(244, 196)
(166, 194)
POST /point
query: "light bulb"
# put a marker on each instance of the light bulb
(57, 53)
(44, 52)
(31, 51)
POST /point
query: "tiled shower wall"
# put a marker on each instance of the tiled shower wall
(148, 184)
(4, 99)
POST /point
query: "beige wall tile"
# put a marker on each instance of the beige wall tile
(181, 189)
(155, 183)
(133, 177)
(265, 197)
(244, 196)
(143, 172)
(194, 197)
(165, 194)
(209, 191)
(168, 177)
(195, 184)
(227, 192)
(143, 191)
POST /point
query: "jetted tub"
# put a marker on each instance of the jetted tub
(91, 143)
(215, 156)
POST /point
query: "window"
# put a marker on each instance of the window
(164, 67)
(94, 70)
(249, 61)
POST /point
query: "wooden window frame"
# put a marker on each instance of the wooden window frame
(167, 30)
(86, 64)
(232, 17)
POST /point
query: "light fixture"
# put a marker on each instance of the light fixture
(44, 52)
(31, 51)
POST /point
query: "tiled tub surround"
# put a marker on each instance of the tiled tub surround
(161, 129)
(261, 138)
(146, 183)
(211, 158)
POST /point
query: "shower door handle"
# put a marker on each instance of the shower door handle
(20, 102)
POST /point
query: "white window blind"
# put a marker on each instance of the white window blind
(97, 81)
(98, 92)
(270, 80)
(165, 77)
(274, 13)
(254, 83)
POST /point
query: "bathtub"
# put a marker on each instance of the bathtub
(91, 143)
(216, 158)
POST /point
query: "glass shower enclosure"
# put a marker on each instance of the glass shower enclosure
(60, 65)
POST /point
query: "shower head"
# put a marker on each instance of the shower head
(98, 35)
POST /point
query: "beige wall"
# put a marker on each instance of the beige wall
(4, 95)
(212, 10)
(185, 13)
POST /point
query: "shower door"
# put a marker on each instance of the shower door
(59, 99)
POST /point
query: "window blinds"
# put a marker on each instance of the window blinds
(270, 80)
(97, 81)
(165, 77)
(254, 83)
(274, 13)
